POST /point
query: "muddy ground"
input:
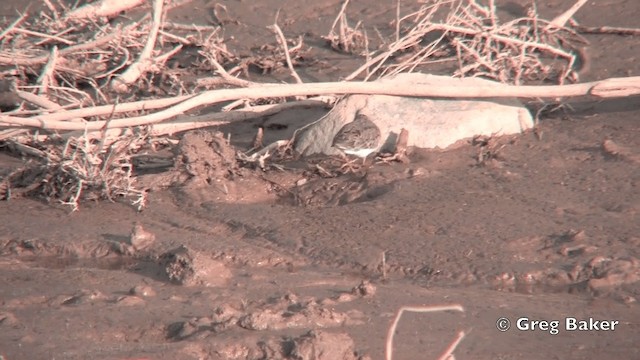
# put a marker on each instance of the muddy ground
(546, 228)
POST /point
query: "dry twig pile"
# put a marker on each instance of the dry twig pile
(472, 37)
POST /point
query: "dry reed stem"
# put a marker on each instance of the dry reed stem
(614, 30)
(180, 39)
(410, 39)
(283, 42)
(101, 110)
(420, 309)
(38, 100)
(397, 20)
(13, 25)
(562, 19)
(341, 13)
(167, 25)
(52, 9)
(12, 133)
(348, 39)
(45, 36)
(48, 72)
(31, 61)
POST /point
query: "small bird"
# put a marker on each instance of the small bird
(360, 137)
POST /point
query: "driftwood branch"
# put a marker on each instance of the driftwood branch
(104, 8)
(144, 63)
(614, 87)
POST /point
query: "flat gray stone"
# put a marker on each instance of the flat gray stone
(432, 123)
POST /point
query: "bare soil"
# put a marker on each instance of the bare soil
(544, 225)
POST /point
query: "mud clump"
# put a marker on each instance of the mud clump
(205, 158)
(290, 311)
(183, 266)
(322, 345)
(286, 312)
(330, 192)
(364, 289)
(206, 170)
(8, 319)
(604, 274)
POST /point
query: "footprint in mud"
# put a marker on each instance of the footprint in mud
(288, 311)
(331, 192)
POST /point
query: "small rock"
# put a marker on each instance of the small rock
(364, 289)
(431, 123)
(129, 300)
(345, 297)
(84, 297)
(142, 291)
(181, 330)
(140, 238)
(7, 318)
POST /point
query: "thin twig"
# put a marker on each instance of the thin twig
(38, 100)
(161, 59)
(340, 14)
(397, 20)
(418, 309)
(231, 80)
(614, 30)
(47, 76)
(13, 25)
(446, 355)
(46, 36)
(52, 8)
(283, 42)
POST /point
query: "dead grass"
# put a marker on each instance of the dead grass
(78, 170)
(470, 35)
(344, 38)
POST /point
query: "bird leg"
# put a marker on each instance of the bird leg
(348, 164)
(400, 153)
